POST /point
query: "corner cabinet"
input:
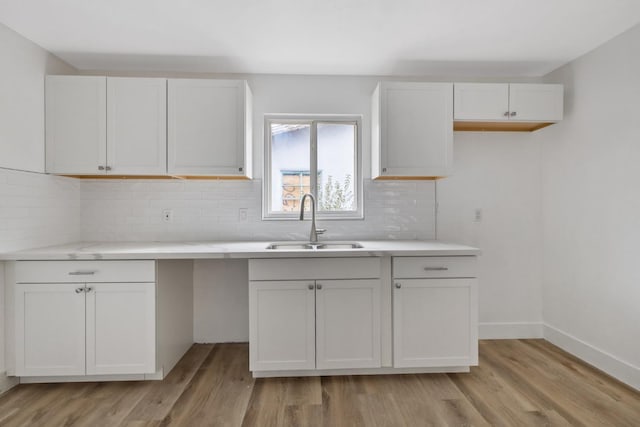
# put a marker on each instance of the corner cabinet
(209, 127)
(301, 317)
(105, 125)
(507, 106)
(435, 312)
(412, 130)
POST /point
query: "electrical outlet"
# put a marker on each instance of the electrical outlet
(242, 214)
(477, 216)
(167, 215)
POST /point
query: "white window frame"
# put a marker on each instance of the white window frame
(312, 121)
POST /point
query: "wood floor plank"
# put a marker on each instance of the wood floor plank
(340, 403)
(507, 406)
(223, 388)
(518, 383)
(162, 395)
(267, 405)
(577, 401)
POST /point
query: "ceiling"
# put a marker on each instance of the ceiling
(359, 37)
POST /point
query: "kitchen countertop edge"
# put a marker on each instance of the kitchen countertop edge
(229, 250)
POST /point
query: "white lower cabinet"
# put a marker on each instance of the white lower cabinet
(50, 329)
(282, 325)
(85, 329)
(316, 322)
(435, 312)
(70, 322)
(120, 328)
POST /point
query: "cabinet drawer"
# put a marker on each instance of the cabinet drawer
(85, 271)
(434, 267)
(313, 269)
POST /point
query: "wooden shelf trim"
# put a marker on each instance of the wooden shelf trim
(499, 126)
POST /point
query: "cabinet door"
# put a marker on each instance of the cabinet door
(435, 323)
(348, 324)
(536, 102)
(136, 126)
(76, 124)
(121, 334)
(206, 127)
(416, 129)
(481, 101)
(50, 329)
(281, 325)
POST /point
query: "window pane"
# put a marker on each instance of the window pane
(290, 168)
(336, 167)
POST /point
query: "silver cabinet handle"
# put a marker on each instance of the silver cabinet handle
(240, 169)
(513, 113)
(88, 289)
(108, 168)
(100, 168)
(82, 273)
(436, 269)
(398, 285)
(318, 286)
(384, 169)
(79, 290)
(310, 286)
(506, 114)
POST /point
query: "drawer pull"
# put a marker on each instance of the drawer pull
(398, 285)
(436, 268)
(81, 273)
(79, 290)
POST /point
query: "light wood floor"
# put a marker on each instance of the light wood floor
(518, 383)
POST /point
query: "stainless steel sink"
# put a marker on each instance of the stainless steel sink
(290, 246)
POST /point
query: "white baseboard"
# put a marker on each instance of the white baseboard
(619, 369)
(7, 382)
(510, 330)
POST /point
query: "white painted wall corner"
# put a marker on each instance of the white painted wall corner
(6, 382)
(608, 363)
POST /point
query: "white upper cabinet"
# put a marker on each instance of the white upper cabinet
(76, 124)
(536, 102)
(481, 101)
(100, 125)
(412, 130)
(504, 102)
(209, 127)
(136, 126)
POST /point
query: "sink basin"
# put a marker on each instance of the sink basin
(289, 246)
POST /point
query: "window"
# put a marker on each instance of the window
(317, 155)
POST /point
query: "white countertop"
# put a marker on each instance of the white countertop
(236, 249)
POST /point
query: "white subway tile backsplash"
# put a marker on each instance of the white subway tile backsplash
(40, 210)
(208, 210)
(37, 210)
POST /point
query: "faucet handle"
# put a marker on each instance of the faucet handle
(321, 230)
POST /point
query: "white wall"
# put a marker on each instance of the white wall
(591, 210)
(35, 209)
(499, 173)
(23, 66)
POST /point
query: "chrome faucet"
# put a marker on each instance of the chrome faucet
(313, 237)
